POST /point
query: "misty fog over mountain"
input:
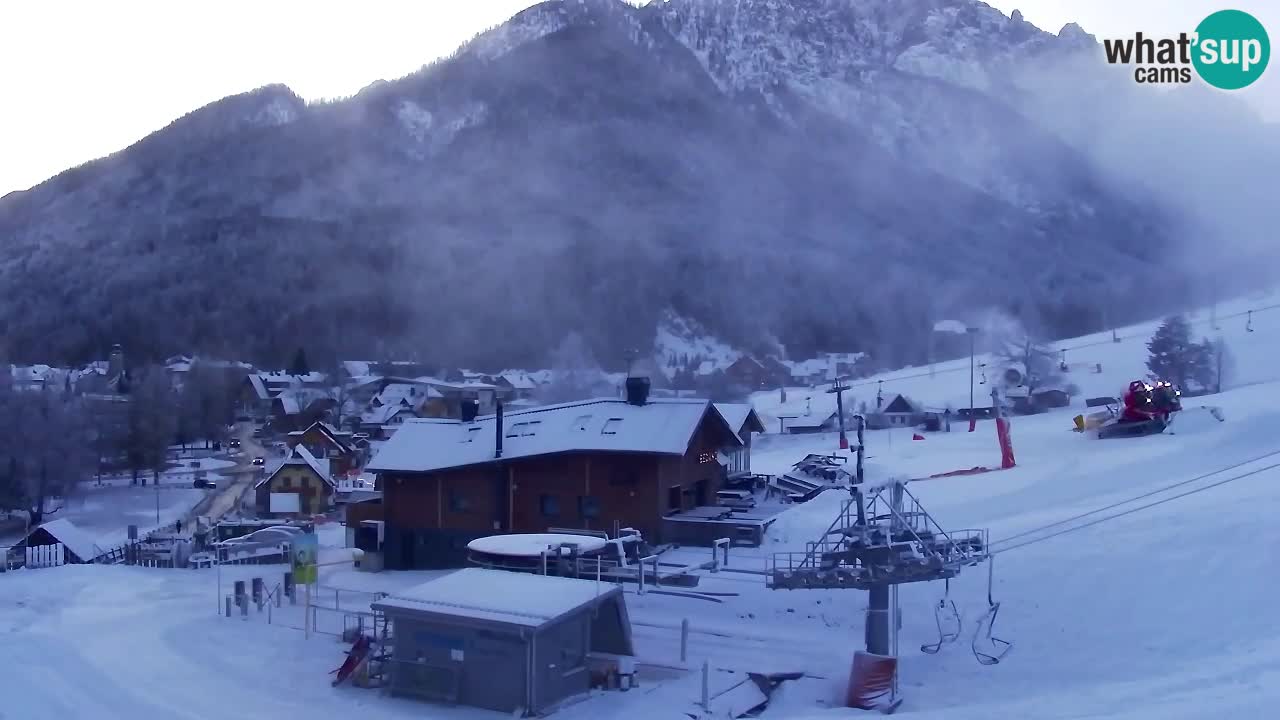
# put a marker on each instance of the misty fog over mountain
(795, 175)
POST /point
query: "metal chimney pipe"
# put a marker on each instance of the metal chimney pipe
(497, 444)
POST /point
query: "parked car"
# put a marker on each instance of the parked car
(259, 432)
(203, 484)
(259, 461)
(235, 444)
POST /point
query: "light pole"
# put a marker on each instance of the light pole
(972, 333)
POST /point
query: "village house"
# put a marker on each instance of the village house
(57, 542)
(900, 412)
(518, 384)
(301, 486)
(454, 394)
(260, 391)
(744, 421)
(325, 442)
(599, 464)
(808, 373)
(381, 422)
(754, 374)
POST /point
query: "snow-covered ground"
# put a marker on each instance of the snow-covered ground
(1166, 612)
(104, 509)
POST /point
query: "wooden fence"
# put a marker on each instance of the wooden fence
(41, 556)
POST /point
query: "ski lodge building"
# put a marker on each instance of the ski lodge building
(601, 464)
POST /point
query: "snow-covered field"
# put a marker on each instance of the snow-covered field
(1165, 612)
(106, 509)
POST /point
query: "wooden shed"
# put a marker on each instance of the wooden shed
(504, 641)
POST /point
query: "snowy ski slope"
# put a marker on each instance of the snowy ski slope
(947, 384)
(1163, 608)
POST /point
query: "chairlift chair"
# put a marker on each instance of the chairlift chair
(947, 618)
(986, 623)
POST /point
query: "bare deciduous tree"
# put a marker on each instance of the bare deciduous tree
(45, 450)
(152, 423)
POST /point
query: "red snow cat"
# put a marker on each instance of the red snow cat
(1144, 410)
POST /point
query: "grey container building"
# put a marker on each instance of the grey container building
(502, 640)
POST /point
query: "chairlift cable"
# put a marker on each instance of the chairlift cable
(1143, 496)
(1136, 509)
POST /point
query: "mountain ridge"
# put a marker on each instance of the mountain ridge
(586, 157)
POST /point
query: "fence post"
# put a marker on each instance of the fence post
(684, 640)
(706, 685)
(228, 603)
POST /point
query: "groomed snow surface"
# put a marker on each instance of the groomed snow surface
(1166, 613)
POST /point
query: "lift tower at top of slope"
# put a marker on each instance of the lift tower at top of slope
(837, 388)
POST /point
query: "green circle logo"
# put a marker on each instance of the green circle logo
(1232, 49)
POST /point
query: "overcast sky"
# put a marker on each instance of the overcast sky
(83, 78)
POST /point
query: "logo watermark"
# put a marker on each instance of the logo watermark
(1228, 50)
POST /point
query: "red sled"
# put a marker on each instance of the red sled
(356, 656)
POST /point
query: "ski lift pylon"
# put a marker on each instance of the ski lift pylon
(1248, 323)
(947, 618)
(987, 623)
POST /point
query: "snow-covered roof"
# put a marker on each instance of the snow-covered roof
(737, 414)
(950, 326)
(335, 436)
(382, 415)
(811, 421)
(407, 393)
(281, 377)
(296, 399)
(301, 456)
(806, 368)
(259, 386)
(519, 381)
(356, 368)
(662, 426)
(532, 544)
(500, 596)
(76, 540)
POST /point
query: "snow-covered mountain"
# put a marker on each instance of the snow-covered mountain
(829, 175)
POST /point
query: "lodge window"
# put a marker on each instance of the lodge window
(284, 481)
(588, 506)
(550, 505)
(458, 502)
